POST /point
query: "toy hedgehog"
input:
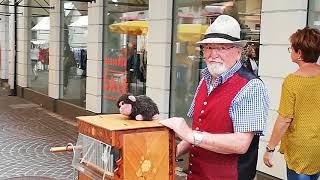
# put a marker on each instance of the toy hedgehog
(139, 107)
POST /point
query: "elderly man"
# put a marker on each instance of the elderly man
(229, 110)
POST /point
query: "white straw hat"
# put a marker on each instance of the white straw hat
(225, 29)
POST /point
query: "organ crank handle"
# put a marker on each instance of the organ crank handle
(69, 147)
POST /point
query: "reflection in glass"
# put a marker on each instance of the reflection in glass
(125, 55)
(314, 14)
(190, 23)
(75, 52)
(39, 51)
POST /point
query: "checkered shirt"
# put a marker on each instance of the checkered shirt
(249, 108)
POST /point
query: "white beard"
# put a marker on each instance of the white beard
(216, 69)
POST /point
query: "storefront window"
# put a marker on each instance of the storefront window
(190, 23)
(75, 52)
(39, 50)
(125, 58)
(314, 14)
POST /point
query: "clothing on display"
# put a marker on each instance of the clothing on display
(44, 55)
(34, 54)
(143, 64)
(39, 56)
(80, 56)
(136, 67)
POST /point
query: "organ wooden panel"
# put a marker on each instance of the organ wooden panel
(146, 148)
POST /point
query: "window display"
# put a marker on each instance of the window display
(190, 23)
(39, 51)
(125, 55)
(75, 52)
(314, 14)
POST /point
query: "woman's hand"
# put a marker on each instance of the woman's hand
(267, 159)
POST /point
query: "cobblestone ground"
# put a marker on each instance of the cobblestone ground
(27, 132)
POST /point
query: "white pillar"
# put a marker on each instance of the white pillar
(12, 52)
(4, 42)
(159, 54)
(56, 45)
(23, 44)
(94, 62)
(274, 39)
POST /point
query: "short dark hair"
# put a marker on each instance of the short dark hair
(308, 41)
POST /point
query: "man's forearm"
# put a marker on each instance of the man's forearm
(233, 143)
(221, 143)
(182, 148)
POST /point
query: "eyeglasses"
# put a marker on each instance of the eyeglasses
(290, 49)
(220, 50)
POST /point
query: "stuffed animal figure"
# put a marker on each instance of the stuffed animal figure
(138, 107)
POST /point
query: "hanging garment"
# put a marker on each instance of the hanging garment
(77, 55)
(40, 56)
(143, 66)
(83, 59)
(46, 56)
(133, 68)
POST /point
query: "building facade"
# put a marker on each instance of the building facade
(77, 57)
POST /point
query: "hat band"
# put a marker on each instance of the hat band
(220, 35)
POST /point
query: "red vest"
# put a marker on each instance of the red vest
(211, 114)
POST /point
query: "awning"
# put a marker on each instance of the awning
(43, 25)
(130, 27)
(191, 32)
(82, 21)
(37, 42)
(186, 32)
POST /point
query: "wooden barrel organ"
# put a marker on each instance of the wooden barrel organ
(114, 147)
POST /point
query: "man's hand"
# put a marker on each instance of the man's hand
(267, 159)
(180, 127)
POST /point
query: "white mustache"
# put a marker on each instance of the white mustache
(215, 60)
(216, 68)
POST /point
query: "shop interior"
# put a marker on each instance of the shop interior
(75, 52)
(125, 54)
(188, 57)
(39, 50)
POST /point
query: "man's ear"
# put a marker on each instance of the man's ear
(132, 98)
(240, 49)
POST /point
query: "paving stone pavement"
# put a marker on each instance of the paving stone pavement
(27, 132)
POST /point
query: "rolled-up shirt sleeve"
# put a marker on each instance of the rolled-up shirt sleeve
(249, 108)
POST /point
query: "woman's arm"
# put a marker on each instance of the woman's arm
(280, 127)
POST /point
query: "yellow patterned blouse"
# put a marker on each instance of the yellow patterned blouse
(300, 100)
